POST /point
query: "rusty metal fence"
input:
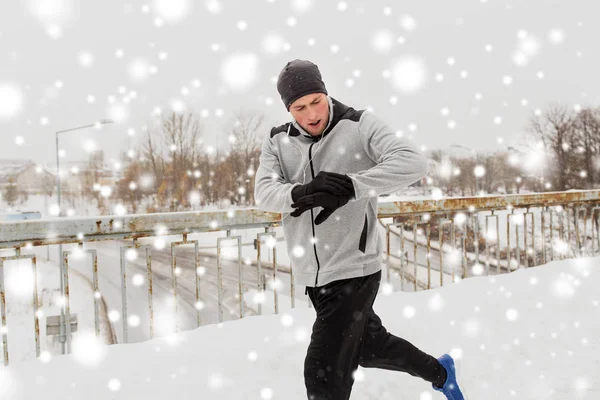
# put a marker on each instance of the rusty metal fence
(463, 232)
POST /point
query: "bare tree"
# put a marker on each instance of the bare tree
(465, 180)
(554, 128)
(494, 165)
(129, 189)
(154, 157)
(442, 171)
(202, 177)
(171, 151)
(245, 152)
(587, 140)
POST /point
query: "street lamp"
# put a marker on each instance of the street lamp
(97, 124)
(60, 251)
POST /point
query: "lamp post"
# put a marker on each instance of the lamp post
(97, 124)
(60, 251)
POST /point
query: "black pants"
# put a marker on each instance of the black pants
(347, 333)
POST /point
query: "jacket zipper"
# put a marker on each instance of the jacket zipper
(312, 217)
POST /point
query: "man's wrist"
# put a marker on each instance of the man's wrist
(298, 192)
(352, 194)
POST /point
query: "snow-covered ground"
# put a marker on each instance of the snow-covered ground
(18, 277)
(531, 334)
(47, 206)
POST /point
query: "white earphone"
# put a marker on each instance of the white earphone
(318, 147)
(320, 140)
(301, 156)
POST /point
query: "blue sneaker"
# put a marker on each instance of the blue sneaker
(450, 388)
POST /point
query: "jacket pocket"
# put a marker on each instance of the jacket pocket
(362, 244)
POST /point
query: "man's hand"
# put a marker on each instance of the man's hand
(330, 202)
(328, 182)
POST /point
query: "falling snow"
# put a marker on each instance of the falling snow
(410, 68)
(11, 100)
(409, 74)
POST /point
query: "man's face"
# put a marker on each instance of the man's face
(311, 112)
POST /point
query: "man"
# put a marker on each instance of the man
(351, 158)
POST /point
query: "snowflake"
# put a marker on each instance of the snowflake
(114, 385)
(382, 41)
(137, 280)
(287, 320)
(172, 10)
(298, 251)
(409, 74)
(556, 36)
(86, 59)
(239, 71)
(409, 311)
(266, 393)
(87, 349)
(408, 23)
(273, 43)
(133, 321)
(139, 69)
(471, 327)
(11, 100)
(214, 6)
(512, 314)
(358, 375)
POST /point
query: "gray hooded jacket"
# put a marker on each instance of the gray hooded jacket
(355, 143)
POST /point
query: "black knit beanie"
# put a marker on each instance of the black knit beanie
(299, 78)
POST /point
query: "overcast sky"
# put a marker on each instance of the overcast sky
(446, 72)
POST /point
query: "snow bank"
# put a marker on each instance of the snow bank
(532, 334)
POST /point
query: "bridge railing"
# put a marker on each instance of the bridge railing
(427, 243)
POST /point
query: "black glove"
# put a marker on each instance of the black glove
(329, 182)
(330, 202)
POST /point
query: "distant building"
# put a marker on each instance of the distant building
(29, 177)
(81, 177)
